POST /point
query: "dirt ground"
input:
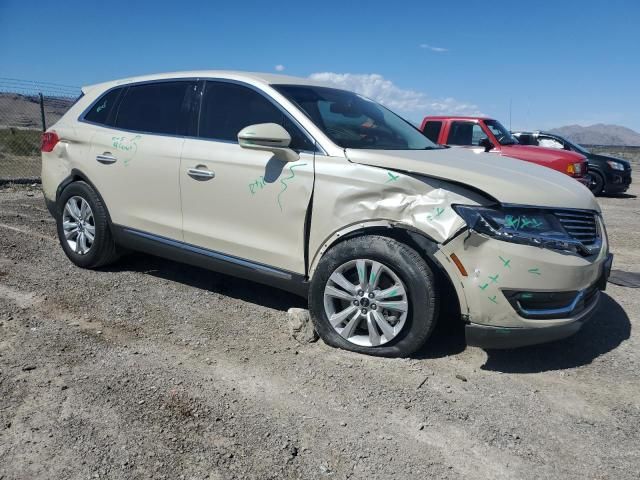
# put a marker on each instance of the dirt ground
(152, 369)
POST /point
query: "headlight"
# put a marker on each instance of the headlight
(615, 165)
(523, 225)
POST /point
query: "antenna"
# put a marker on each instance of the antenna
(510, 101)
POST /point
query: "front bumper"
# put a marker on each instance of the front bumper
(496, 337)
(617, 181)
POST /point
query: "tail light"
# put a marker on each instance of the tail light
(49, 141)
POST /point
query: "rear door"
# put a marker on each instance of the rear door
(245, 203)
(135, 155)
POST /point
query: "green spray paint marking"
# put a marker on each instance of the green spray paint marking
(284, 183)
(393, 293)
(493, 299)
(505, 263)
(438, 211)
(392, 177)
(128, 145)
(372, 277)
(101, 107)
(259, 183)
(483, 287)
(522, 221)
(535, 271)
(494, 279)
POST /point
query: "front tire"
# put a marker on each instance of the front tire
(596, 184)
(83, 227)
(374, 295)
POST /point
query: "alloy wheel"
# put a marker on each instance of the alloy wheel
(78, 225)
(366, 302)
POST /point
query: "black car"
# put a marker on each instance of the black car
(607, 174)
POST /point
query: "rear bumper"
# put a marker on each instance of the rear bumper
(495, 337)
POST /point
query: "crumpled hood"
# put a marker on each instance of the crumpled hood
(505, 179)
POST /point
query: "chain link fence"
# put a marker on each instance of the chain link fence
(26, 110)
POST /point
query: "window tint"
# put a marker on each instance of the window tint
(227, 108)
(465, 133)
(432, 131)
(99, 112)
(155, 107)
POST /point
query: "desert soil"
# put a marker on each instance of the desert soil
(152, 369)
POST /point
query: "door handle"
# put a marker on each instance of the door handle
(106, 158)
(200, 173)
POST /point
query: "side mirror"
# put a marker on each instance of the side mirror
(269, 137)
(487, 144)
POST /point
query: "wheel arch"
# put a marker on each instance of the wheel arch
(77, 175)
(424, 245)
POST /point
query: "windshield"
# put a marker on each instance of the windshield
(353, 121)
(503, 135)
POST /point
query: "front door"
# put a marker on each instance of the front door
(239, 202)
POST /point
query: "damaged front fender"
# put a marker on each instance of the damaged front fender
(349, 197)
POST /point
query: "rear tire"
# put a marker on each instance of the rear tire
(83, 227)
(384, 277)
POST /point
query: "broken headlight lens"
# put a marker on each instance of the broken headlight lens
(524, 225)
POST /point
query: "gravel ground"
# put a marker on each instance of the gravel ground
(151, 369)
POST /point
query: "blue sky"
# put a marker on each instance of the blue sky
(558, 62)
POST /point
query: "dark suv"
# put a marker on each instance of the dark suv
(607, 174)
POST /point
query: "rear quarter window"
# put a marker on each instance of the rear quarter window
(99, 112)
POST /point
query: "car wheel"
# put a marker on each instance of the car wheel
(596, 183)
(374, 295)
(83, 228)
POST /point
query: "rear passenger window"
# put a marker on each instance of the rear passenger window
(432, 131)
(99, 112)
(227, 108)
(155, 108)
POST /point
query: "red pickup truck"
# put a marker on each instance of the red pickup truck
(489, 134)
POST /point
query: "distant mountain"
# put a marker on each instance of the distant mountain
(600, 134)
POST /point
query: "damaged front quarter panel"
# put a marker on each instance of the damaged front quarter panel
(350, 196)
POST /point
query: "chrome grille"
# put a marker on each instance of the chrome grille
(579, 225)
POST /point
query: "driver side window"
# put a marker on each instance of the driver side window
(465, 133)
(228, 107)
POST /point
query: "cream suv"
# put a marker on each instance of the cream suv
(325, 193)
